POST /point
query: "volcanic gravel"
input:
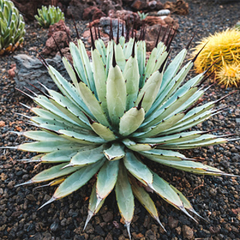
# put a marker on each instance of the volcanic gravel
(214, 198)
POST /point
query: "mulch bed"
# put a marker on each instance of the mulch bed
(214, 198)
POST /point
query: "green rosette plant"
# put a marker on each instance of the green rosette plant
(49, 16)
(12, 27)
(120, 112)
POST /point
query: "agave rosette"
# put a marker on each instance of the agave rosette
(118, 113)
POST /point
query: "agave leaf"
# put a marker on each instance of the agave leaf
(60, 155)
(193, 167)
(100, 76)
(87, 66)
(77, 62)
(141, 58)
(131, 120)
(173, 68)
(43, 113)
(46, 104)
(103, 132)
(161, 154)
(163, 125)
(68, 89)
(70, 72)
(86, 157)
(76, 180)
(196, 145)
(150, 64)
(200, 139)
(94, 205)
(187, 205)
(42, 136)
(131, 76)
(196, 119)
(109, 55)
(48, 123)
(169, 107)
(120, 58)
(69, 108)
(101, 49)
(168, 86)
(49, 146)
(116, 94)
(137, 146)
(150, 91)
(106, 178)
(192, 100)
(175, 90)
(137, 168)
(175, 138)
(195, 112)
(145, 200)
(128, 48)
(81, 138)
(160, 60)
(52, 173)
(124, 196)
(115, 152)
(163, 189)
(92, 103)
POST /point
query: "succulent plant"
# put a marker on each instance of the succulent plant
(220, 49)
(118, 114)
(12, 27)
(48, 16)
(142, 15)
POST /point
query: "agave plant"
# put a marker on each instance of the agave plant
(48, 16)
(12, 27)
(118, 113)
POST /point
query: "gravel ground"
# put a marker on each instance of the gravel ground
(214, 198)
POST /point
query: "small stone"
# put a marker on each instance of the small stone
(187, 232)
(163, 12)
(31, 197)
(213, 191)
(150, 235)
(54, 226)
(89, 228)
(121, 237)
(11, 184)
(2, 123)
(172, 222)
(99, 231)
(47, 236)
(178, 230)
(3, 176)
(109, 237)
(146, 221)
(108, 216)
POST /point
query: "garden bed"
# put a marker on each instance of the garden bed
(214, 198)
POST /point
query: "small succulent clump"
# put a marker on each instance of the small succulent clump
(12, 27)
(119, 113)
(142, 15)
(220, 49)
(49, 16)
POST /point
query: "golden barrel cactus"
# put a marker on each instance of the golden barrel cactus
(221, 49)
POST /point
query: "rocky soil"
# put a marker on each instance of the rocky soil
(214, 198)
